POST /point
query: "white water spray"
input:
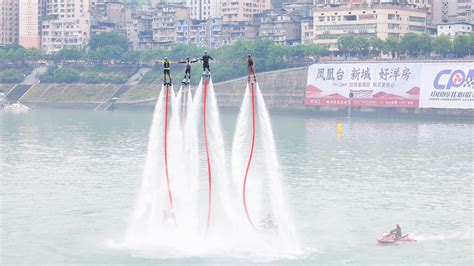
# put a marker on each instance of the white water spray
(153, 233)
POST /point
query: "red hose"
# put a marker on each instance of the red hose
(166, 155)
(208, 159)
(251, 154)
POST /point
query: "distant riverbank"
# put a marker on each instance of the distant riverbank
(284, 90)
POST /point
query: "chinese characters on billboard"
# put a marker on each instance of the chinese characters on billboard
(365, 84)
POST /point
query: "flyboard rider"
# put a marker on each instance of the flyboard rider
(187, 72)
(166, 70)
(205, 63)
(251, 68)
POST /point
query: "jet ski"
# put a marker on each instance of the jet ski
(390, 239)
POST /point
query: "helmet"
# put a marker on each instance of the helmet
(166, 58)
(249, 55)
(205, 52)
(187, 58)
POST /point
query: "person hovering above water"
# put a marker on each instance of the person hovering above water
(205, 62)
(251, 68)
(166, 70)
(187, 72)
(397, 232)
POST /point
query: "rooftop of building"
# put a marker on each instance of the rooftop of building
(370, 7)
(456, 23)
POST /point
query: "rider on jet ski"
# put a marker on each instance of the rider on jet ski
(397, 232)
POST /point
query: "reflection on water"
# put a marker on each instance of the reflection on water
(69, 178)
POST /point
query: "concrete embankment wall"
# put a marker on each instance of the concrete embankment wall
(283, 90)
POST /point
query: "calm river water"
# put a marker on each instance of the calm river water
(68, 181)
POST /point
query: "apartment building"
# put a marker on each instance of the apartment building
(455, 29)
(379, 20)
(451, 11)
(8, 22)
(166, 19)
(192, 31)
(280, 26)
(465, 11)
(234, 31)
(29, 25)
(110, 16)
(65, 24)
(307, 30)
(418, 3)
(198, 32)
(215, 32)
(204, 9)
(243, 10)
(139, 29)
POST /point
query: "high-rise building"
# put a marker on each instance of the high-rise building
(307, 32)
(444, 11)
(378, 21)
(109, 16)
(233, 31)
(465, 11)
(280, 26)
(29, 15)
(416, 3)
(243, 10)
(165, 23)
(65, 24)
(452, 11)
(139, 28)
(8, 22)
(204, 9)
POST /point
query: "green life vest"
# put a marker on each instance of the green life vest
(166, 65)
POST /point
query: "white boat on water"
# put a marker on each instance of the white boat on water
(16, 107)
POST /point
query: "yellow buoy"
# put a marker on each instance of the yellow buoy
(339, 128)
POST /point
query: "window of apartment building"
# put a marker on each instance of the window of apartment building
(349, 27)
(367, 17)
(350, 18)
(393, 26)
(416, 28)
(416, 19)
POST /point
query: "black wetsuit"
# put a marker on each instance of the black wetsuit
(397, 232)
(166, 70)
(205, 62)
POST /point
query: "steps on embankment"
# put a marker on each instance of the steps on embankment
(108, 105)
(132, 81)
(17, 92)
